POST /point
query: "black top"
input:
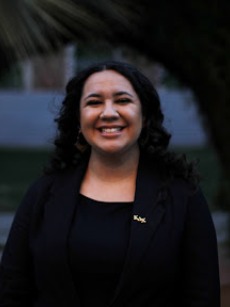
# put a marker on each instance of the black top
(98, 244)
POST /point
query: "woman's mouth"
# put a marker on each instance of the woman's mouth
(111, 130)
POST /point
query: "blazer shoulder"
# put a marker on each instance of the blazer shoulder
(46, 184)
(40, 185)
(183, 186)
(187, 195)
(34, 193)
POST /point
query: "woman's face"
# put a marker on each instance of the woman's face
(110, 113)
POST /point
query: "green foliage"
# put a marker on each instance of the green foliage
(169, 81)
(91, 52)
(18, 167)
(12, 78)
(209, 169)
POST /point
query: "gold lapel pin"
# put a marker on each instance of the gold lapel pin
(139, 219)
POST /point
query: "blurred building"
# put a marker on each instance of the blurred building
(31, 96)
(26, 118)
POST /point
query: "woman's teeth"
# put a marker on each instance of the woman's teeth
(111, 130)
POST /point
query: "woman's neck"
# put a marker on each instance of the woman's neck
(111, 168)
(111, 178)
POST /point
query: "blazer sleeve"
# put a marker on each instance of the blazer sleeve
(200, 256)
(16, 269)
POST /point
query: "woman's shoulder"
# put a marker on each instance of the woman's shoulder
(173, 168)
(188, 195)
(35, 191)
(181, 181)
(46, 181)
(40, 184)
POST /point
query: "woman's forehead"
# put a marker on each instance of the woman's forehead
(107, 80)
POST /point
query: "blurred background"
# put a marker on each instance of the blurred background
(182, 47)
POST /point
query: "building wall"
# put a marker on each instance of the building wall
(26, 118)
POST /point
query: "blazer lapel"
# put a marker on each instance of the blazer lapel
(59, 214)
(147, 213)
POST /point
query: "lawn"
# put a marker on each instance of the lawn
(20, 167)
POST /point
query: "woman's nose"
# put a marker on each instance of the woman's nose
(109, 111)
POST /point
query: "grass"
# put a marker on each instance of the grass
(20, 167)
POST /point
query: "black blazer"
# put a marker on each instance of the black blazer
(172, 256)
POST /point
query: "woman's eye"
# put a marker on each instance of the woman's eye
(93, 102)
(123, 100)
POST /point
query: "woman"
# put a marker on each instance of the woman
(117, 220)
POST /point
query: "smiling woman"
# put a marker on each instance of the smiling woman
(117, 219)
(111, 123)
(110, 114)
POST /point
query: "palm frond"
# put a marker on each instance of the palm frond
(30, 26)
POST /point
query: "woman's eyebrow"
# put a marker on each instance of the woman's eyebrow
(93, 95)
(120, 93)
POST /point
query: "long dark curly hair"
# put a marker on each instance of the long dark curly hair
(154, 139)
